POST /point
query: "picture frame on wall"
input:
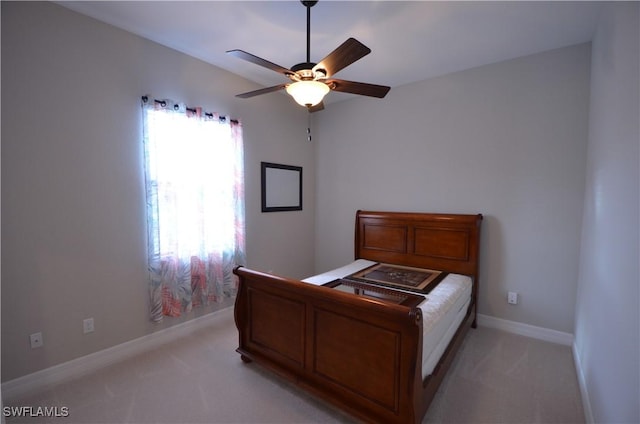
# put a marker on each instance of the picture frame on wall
(281, 187)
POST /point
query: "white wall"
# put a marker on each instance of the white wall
(507, 140)
(607, 335)
(73, 220)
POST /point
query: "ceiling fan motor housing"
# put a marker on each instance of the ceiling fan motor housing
(305, 72)
(303, 66)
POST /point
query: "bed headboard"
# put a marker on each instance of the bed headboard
(446, 242)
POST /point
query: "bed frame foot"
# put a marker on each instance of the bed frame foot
(245, 359)
(474, 324)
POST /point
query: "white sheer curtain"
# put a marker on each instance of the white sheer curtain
(195, 206)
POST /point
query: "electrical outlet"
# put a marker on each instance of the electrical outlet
(87, 325)
(36, 340)
(512, 298)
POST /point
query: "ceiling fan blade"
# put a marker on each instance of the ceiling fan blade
(361, 88)
(241, 54)
(347, 53)
(261, 91)
(316, 108)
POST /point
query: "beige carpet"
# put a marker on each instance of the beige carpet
(496, 378)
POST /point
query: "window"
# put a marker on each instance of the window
(194, 170)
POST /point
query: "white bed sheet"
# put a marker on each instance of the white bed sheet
(443, 309)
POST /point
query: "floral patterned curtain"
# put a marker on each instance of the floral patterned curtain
(194, 170)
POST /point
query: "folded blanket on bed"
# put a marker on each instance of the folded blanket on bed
(338, 273)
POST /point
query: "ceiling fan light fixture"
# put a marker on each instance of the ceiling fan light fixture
(307, 93)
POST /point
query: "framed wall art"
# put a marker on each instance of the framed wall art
(281, 187)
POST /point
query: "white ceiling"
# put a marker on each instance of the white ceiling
(410, 41)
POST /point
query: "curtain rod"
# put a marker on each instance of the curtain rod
(163, 103)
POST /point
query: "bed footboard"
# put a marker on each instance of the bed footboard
(359, 354)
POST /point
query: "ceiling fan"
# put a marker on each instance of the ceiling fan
(310, 82)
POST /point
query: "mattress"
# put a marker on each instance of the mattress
(443, 309)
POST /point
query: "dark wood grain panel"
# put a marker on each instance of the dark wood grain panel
(445, 243)
(277, 325)
(390, 238)
(359, 356)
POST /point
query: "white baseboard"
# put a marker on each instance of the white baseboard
(39, 380)
(582, 382)
(514, 327)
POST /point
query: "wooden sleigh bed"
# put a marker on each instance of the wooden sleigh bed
(361, 354)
